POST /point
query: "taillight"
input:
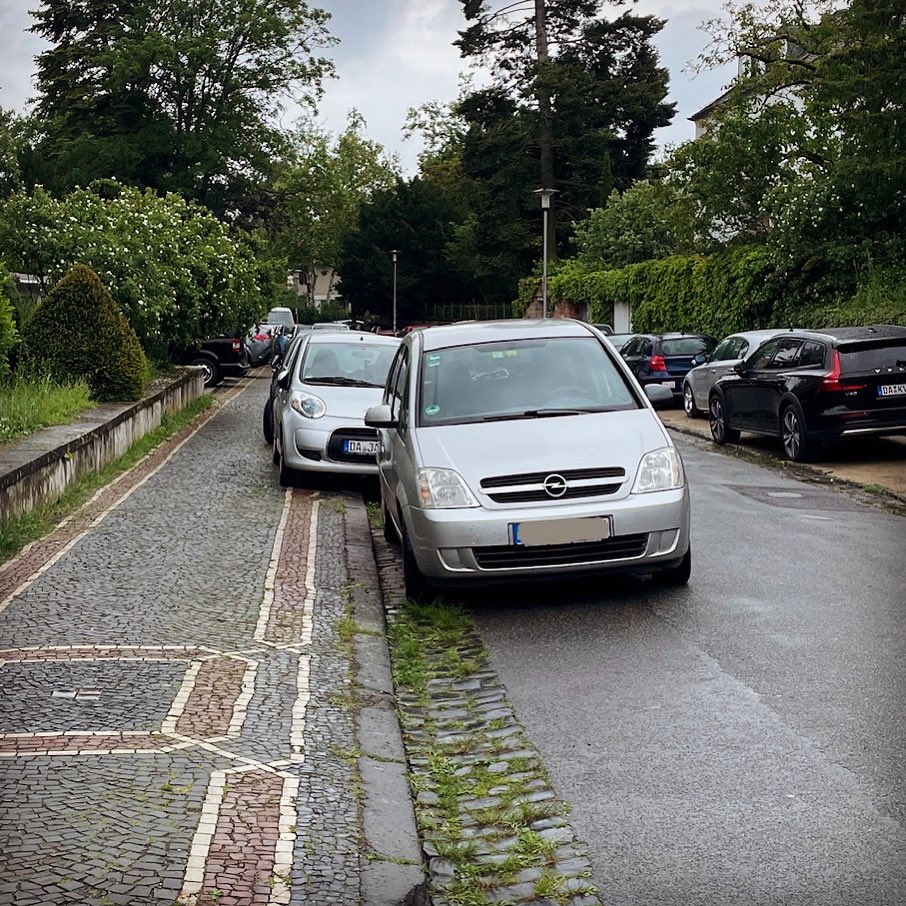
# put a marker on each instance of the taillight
(831, 381)
(237, 345)
(657, 363)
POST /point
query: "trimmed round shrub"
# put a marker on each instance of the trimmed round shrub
(78, 332)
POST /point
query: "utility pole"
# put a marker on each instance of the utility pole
(545, 135)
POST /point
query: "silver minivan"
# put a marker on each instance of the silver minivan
(524, 449)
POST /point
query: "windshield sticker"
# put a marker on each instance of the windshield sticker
(433, 360)
(432, 410)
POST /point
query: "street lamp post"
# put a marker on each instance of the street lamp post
(545, 195)
(394, 253)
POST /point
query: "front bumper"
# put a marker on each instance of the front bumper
(307, 445)
(649, 532)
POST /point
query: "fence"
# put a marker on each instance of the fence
(469, 312)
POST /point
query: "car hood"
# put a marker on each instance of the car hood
(346, 402)
(598, 439)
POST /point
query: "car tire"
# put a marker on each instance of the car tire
(692, 411)
(721, 432)
(677, 575)
(267, 422)
(211, 369)
(794, 436)
(288, 476)
(413, 581)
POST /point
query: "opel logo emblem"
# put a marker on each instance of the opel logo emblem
(555, 485)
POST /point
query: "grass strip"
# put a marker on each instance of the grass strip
(26, 406)
(21, 530)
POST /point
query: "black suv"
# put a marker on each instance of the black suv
(808, 387)
(218, 357)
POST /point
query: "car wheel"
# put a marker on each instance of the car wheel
(267, 422)
(210, 369)
(689, 402)
(287, 475)
(721, 432)
(413, 581)
(679, 574)
(796, 444)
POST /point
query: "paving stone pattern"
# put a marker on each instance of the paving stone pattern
(484, 800)
(175, 701)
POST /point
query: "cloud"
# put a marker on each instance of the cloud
(18, 48)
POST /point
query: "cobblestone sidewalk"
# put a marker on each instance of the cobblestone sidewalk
(176, 691)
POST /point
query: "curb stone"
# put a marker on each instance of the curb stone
(521, 849)
(392, 870)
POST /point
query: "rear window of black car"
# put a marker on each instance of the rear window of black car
(872, 355)
(686, 346)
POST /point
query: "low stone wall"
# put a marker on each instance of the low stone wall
(46, 474)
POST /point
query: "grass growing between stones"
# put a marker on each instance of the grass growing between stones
(21, 530)
(490, 823)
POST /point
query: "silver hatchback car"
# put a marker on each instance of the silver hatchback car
(523, 449)
(329, 381)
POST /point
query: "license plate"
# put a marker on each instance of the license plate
(360, 447)
(670, 384)
(891, 389)
(560, 531)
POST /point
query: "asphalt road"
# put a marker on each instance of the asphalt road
(741, 740)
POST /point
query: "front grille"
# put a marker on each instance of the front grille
(335, 444)
(528, 487)
(619, 547)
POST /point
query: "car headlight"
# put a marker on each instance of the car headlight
(307, 404)
(443, 489)
(659, 470)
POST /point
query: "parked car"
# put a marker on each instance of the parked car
(708, 369)
(279, 364)
(282, 316)
(218, 357)
(665, 359)
(606, 329)
(618, 340)
(260, 343)
(525, 449)
(810, 387)
(329, 380)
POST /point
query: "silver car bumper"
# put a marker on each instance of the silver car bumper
(648, 531)
(307, 441)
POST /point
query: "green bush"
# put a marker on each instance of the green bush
(7, 324)
(80, 332)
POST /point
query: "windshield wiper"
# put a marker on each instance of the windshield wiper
(341, 382)
(535, 413)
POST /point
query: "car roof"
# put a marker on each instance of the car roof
(467, 334)
(350, 338)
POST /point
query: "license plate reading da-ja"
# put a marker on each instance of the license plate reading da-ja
(360, 447)
(560, 531)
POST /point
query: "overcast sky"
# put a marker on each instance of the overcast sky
(397, 54)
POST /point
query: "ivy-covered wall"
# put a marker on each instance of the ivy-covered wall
(737, 289)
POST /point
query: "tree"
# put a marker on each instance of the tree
(648, 221)
(320, 191)
(175, 95)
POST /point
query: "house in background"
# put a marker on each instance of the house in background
(314, 287)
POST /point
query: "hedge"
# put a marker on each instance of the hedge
(7, 323)
(737, 289)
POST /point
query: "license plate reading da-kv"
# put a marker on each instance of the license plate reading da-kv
(892, 390)
(360, 447)
(560, 531)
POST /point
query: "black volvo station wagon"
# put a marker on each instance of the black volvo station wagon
(810, 387)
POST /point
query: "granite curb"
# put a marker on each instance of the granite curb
(392, 870)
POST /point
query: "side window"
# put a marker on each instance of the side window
(647, 347)
(742, 348)
(398, 402)
(630, 348)
(391, 378)
(763, 355)
(785, 356)
(723, 350)
(812, 355)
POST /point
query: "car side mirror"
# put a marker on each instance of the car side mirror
(700, 359)
(740, 367)
(380, 417)
(283, 379)
(658, 393)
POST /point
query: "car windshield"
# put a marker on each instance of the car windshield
(531, 378)
(351, 364)
(280, 316)
(686, 346)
